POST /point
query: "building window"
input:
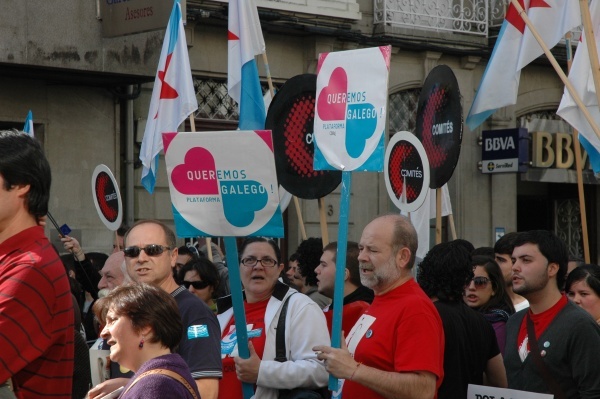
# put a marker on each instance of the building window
(213, 101)
(403, 111)
(568, 225)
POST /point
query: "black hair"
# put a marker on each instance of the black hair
(190, 251)
(467, 244)
(22, 162)
(588, 273)
(352, 263)
(445, 271)
(122, 230)
(250, 240)
(553, 248)
(309, 256)
(97, 259)
(207, 271)
(505, 244)
(483, 251)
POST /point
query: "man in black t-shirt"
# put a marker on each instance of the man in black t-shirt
(471, 347)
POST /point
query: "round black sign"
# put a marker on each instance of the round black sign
(440, 124)
(107, 197)
(291, 118)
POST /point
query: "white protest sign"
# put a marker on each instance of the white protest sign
(481, 392)
(351, 109)
(223, 183)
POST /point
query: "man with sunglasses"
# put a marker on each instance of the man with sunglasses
(551, 347)
(471, 347)
(150, 255)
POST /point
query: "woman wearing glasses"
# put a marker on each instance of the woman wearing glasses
(305, 327)
(486, 293)
(201, 278)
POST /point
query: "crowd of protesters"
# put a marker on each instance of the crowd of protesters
(521, 315)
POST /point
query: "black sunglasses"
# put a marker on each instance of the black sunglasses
(198, 285)
(150, 250)
(480, 281)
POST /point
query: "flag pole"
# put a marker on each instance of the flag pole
(452, 226)
(582, 211)
(557, 68)
(268, 71)
(438, 215)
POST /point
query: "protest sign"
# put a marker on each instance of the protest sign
(107, 197)
(483, 392)
(439, 123)
(351, 109)
(223, 183)
(291, 118)
(406, 171)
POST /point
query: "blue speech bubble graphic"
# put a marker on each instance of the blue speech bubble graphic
(361, 121)
(242, 199)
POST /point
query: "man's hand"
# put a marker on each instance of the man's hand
(338, 362)
(107, 387)
(247, 369)
(72, 245)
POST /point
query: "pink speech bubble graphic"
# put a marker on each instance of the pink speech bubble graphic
(197, 174)
(331, 105)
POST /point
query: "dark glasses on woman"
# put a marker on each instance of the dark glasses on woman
(150, 250)
(198, 285)
(480, 281)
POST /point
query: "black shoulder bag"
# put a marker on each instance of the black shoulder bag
(280, 356)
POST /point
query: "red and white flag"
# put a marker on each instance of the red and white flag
(552, 19)
(515, 48)
(582, 80)
(500, 82)
(173, 97)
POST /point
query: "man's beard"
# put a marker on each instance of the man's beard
(380, 277)
(104, 292)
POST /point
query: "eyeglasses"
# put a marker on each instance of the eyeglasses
(480, 281)
(251, 261)
(150, 250)
(198, 285)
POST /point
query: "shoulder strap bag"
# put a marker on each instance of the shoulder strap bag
(552, 383)
(176, 376)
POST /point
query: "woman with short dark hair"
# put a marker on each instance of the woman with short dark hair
(265, 299)
(201, 278)
(583, 288)
(143, 328)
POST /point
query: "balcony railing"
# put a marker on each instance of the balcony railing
(346, 9)
(472, 17)
(458, 16)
